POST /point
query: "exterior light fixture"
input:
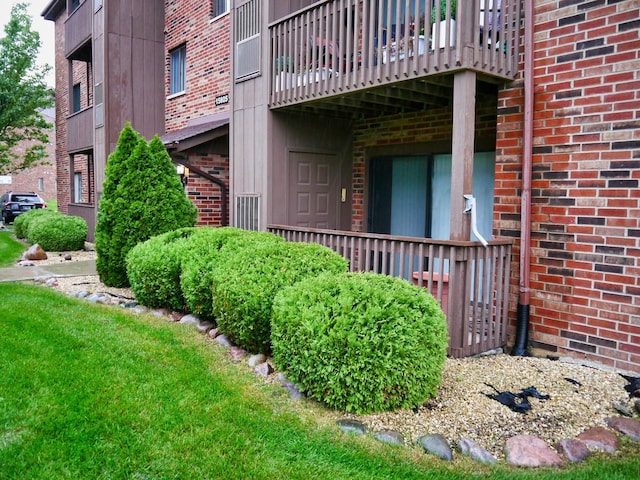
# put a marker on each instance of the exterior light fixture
(184, 174)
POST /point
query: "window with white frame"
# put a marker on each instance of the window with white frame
(178, 62)
(77, 187)
(220, 7)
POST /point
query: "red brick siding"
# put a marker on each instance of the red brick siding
(62, 111)
(207, 196)
(28, 180)
(208, 43)
(585, 267)
(208, 70)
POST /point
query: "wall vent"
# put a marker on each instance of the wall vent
(248, 211)
(247, 39)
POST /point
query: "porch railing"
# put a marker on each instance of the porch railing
(340, 46)
(471, 282)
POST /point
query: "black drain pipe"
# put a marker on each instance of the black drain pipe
(522, 327)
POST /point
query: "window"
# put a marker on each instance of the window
(178, 70)
(74, 4)
(77, 187)
(41, 184)
(220, 7)
(76, 98)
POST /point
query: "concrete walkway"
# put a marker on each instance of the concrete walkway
(17, 273)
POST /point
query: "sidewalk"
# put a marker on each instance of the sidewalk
(17, 273)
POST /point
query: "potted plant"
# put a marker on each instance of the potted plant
(443, 23)
(284, 73)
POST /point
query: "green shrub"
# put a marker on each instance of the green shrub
(246, 281)
(196, 277)
(155, 267)
(21, 223)
(147, 200)
(58, 232)
(360, 342)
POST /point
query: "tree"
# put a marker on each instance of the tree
(23, 94)
(145, 199)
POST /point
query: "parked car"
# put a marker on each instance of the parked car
(15, 203)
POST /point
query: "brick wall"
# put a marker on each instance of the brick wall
(208, 76)
(44, 176)
(62, 111)
(585, 267)
(208, 60)
(205, 194)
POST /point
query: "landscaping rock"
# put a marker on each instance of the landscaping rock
(255, 360)
(601, 439)
(472, 449)
(237, 353)
(190, 320)
(293, 389)
(213, 333)
(35, 252)
(348, 425)
(437, 445)
(161, 312)
(626, 426)
(263, 370)
(223, 340)
(389, 436)
(573, 450)
(530, 451)
(26, 263)
(97, 298)
(203, 326)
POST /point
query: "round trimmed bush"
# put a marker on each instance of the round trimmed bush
(246, 281)
(360, 342)
(196, 278)
(21, 222)
(153, 269)
(58, 232)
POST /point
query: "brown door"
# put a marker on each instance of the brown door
(313, 190)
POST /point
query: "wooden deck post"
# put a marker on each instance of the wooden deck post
(462, 146)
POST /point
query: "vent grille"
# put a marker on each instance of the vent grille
(248, 211)
(247, 33)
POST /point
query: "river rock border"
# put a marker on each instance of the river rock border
(520, 450)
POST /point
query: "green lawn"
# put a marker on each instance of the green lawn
(89, 391)
(10, 248)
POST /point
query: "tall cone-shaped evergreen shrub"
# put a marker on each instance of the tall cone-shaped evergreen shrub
(146, 199)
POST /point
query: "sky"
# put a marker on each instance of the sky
(39, 24)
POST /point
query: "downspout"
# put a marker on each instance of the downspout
(522, 327)
(223, 188)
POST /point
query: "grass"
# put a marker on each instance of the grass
(89, 391)
(10, 249)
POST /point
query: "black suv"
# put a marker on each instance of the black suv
(15, 203)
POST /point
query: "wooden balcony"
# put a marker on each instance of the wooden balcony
(78, 29)
(354, 54)
(80, 131)
(470, 281)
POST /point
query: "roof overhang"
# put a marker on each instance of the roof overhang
(197, 132)
(53, 9)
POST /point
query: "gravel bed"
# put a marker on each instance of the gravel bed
(581, 396)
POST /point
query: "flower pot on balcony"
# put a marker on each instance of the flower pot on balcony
(441, 41)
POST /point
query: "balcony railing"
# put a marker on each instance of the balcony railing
(340, 46)
(470, 281)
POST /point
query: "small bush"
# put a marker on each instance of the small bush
(246, 282)
(197, 276)
(21, 223)
(360, 342)
(155, 267)
(58, 232)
